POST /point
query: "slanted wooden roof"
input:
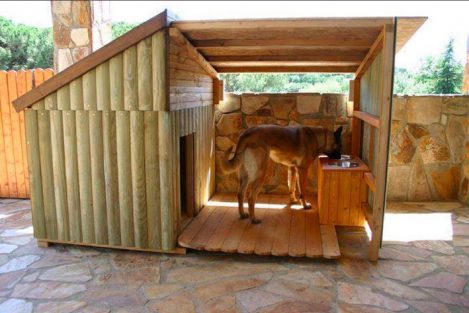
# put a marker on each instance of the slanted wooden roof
(291, 45)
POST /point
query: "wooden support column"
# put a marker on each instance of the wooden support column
(356, 122)
(379, 200)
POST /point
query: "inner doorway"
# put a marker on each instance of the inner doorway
(187, 178)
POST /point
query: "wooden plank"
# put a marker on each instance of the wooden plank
(323, 196)
(50, 102)
(116, 82)
(247, 245)
(63, 98)
(60, 183)
(355, 193)
(16, 137)
(111, 177)
(84, 175)
(314, 40)
(47, 176)
(343, 206)
(333, 197)
(137, 157)
(208, 230)
(330, 244)
(71, 175)
(286, 69)
(379, 199)
(297, 244)
(37, 199)
(4, 182)
(239, 24)
(194, 227)
(233, 239)
(130, 79)
(265, 238)
(367, 118)
(368, 213)
(220, 234)
(313, 242)
(124, 178)
(21, 90)
(370, 181)
(282, 234)
(76, 95)
(180, 39)
(370, 56)
(318, 51)
(97, 176)
(352, 59)
(103, 93)
(160, 73)
(91, 61)
(144, 74)
(152, 179)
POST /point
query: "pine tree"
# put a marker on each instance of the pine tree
(448, 72)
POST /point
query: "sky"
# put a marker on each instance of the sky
(446, 19)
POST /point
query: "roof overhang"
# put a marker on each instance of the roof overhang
(337, 45)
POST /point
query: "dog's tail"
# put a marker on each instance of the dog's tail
(228, 165)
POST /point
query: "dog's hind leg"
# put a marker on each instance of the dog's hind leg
(243, 185)
(255, 188)
(303, 171)
(292, 183)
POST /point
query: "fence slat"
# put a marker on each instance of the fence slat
(22, 85)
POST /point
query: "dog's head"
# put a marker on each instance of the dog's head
(333, 144)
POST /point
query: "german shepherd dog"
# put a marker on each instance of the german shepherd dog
(295, 147)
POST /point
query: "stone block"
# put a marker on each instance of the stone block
(80, 36)
(61, 7)
(223, 143)
(334, 104)
(416, 131)
(79, 53)
(61, 34)
(433, 150)
(64, 59)
(402, 148)
(282, 105)
(399, 108)
(456, 137)
(418, 186)
(398, 182)
(229, 124)
(320, 122)
(259, 120)
(251, 103)
(264, 111)
(81, 13)
(230, 103)
(308, 104)
(458, 105)
(424, 110)
(294, 115)
(446, 182)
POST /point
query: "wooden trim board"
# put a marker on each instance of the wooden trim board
(367, 118)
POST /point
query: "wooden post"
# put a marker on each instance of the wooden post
(356, 122)
(379, 200)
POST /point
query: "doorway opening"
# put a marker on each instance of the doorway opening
(187, 178)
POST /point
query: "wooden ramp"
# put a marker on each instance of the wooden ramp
(284, 231)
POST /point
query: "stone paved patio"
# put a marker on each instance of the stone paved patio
(418, 276)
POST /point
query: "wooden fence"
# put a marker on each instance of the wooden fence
(14, 181)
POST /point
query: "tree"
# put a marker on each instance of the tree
(120, 28)
(449, 73)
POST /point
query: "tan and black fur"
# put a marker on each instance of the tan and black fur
(295, 147)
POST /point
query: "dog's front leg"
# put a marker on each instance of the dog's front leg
(292, 183)
(303, 171)
(243, 185)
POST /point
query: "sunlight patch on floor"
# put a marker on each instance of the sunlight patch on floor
(229, 204)
(417, 226)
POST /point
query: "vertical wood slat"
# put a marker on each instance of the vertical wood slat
(4, 190)
(39, 77)
(333, 197)
(71, 175)
(144, 74)
(84, 175)
(130, 79)
(103, 101)
(116, 82)
(89, 90)
(11, 184)
(124, 178)
(152, 179)
(59, 172)
(343, 206)
(47, 176)
(159, 70)
(137, 159)
(97, 176)
(111, 177)
(22, 88)
(76, 94)
(37, 199)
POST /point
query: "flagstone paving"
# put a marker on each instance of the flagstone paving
(419, 276)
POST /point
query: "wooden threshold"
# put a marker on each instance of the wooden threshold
(284, 231)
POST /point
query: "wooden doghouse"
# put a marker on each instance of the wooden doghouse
(121, 144)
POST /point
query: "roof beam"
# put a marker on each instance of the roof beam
(370, 56)
(287, 69)
(299, 56)
(284, 50)
(283, 63)
(350, 42)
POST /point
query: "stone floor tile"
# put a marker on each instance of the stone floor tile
(316, 278)
(46, 290)
(392, 253)
(299, 291)
(356, 294)
(251, 300)
(226, 286)
(396, 289)
(458, 264)
(16, 306)
(8, 280)
(54, 259)
(439, 246)
(59, 307)
(461, 230)
(99, 264)
(442, 280)
(297, 307)
(460, 241)
(7, 248)
(95, 309)
(72, 273)
(160, 290)
(179, 303)
(129, 277)
(120, 297)
(223, 304)
(81, 252)
(18, 240)
(450, 298)
(404, 271)
(17, 232)
(30, 277)
(354, 308)
(429, 307)
(355, 269)
(18, 263)
(134, 260)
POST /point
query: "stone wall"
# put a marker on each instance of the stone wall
(237, 112)
(429, 148)
(80, 27)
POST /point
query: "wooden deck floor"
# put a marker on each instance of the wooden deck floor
(285, 230)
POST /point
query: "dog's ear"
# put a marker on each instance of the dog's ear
(338, 133)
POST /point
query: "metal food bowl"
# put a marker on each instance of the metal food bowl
(345, 164)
